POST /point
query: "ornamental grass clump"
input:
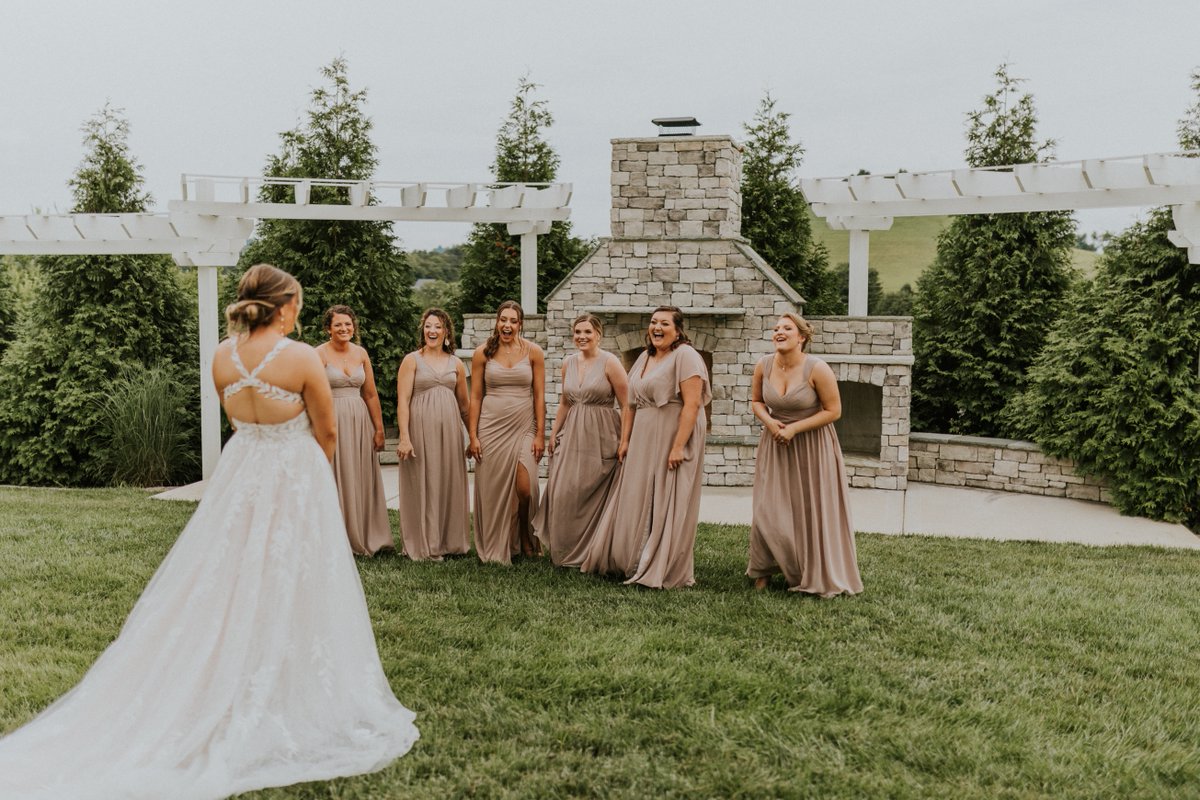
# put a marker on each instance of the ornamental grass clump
(148, 431)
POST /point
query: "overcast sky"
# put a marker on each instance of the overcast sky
(208, 85)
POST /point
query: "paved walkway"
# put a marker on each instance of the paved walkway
(931, 510)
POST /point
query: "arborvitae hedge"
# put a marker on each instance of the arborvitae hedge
(95, 317)
(1117, 388)
(491, 266)
(357, 263)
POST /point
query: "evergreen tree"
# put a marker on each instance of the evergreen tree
(357, 263)
(8, 307)
(1117, 388)
(491, 266)
(95, 319)
(1189, 126)
(985, 305)
(774, 212)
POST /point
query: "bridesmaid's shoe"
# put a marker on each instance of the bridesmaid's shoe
(761, 583)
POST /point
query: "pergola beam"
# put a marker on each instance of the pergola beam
(206, 231)
(862, 203)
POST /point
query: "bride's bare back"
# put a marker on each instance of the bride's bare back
(294, 369)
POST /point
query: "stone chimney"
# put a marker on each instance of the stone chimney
(685, 187)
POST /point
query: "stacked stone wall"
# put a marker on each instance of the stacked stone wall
(1001, 464)
(686, 188)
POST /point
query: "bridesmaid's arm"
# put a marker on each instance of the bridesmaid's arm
(619, 382)
(318, 402)
(690, 389)
(404, 386)
(370, 395)
(564, 407)
(460, 390)
(478, 368)
(538, 362)
(759, 407)
(824, 381)
(627, 415)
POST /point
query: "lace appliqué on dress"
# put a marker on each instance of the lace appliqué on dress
(267, 390)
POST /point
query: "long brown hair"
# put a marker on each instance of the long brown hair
(493, 342)
(448, 341)
(677, 318)
(261, 292)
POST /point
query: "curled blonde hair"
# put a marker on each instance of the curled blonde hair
(261, 292)
(802, 325)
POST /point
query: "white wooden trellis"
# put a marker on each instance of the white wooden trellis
(208, 227)
(864, 203)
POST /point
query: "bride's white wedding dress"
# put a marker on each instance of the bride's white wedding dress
(249, 660)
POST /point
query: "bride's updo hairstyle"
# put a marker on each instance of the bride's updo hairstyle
(261, 292)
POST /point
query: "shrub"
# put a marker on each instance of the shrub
(147, 430)
(1117, 388)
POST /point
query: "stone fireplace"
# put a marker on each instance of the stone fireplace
(676, 240)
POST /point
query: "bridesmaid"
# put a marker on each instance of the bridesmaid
(360, 434)
(432, 409)
(507, 424)
(801, 518)
(583, 446)
(648, 531)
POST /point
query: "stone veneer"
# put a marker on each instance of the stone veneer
(1001, 464)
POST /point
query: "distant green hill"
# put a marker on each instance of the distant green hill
(903, 252)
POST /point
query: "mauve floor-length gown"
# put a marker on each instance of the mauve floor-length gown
(801, 520)
(583, 465)
(433, 486)
(356, 465)
(506, 427)
(648, 531)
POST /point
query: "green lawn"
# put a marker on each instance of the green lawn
(967, 669)
(903, 252)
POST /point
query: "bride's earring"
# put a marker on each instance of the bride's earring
(282, 325)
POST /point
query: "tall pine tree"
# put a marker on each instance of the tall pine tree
(774, 213)
(96, 318)
(1117, 388)
(491, 266)
(357, 263)
(984, 307)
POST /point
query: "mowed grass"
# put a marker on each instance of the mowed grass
(902, 252)
(966, 669)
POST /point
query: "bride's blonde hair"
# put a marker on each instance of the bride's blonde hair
(261, 292)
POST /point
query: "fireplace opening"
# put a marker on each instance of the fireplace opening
(860, 429)
(630, 356)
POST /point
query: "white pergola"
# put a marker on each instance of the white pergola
(210, 225)
(864, 203)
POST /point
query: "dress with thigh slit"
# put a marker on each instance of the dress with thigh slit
(506, 427)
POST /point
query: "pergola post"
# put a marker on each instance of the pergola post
(859, 264)
(210, 406)
(529, 291)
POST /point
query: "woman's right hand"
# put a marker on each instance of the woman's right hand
(622, 450)
(404, 451)
(475, 449)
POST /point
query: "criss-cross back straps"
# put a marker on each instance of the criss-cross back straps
(267, 390)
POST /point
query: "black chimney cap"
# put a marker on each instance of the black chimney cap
(676, 126)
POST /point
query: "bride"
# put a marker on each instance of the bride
(249, 660)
